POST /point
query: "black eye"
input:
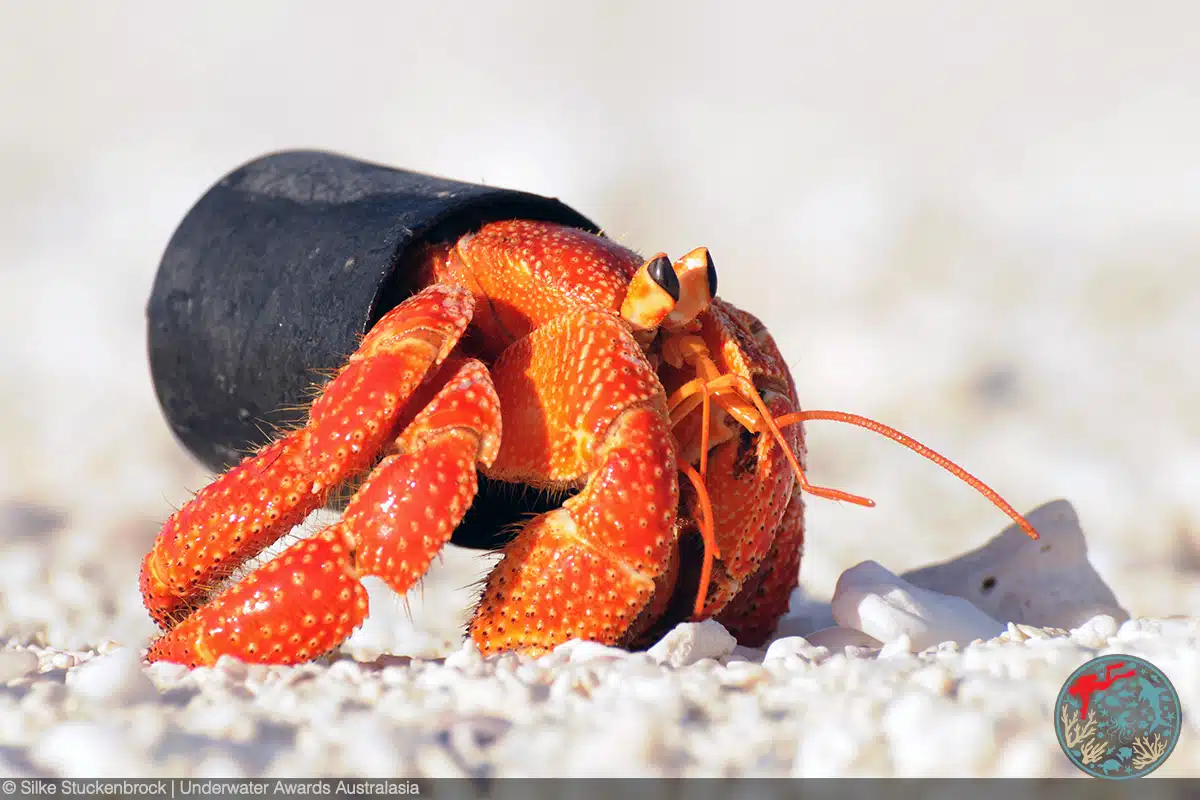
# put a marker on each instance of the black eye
(663, 273)
(712, 275)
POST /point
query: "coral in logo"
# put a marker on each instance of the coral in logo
(1118, 717)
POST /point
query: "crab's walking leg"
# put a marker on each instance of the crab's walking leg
(256, 502)
(306, 601)
(582, 404)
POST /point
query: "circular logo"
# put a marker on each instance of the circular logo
(1118, 717)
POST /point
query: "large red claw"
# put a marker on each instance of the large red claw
(252, 505)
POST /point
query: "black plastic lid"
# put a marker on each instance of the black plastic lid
(274, 275)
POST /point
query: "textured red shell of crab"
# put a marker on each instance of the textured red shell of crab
(512, 359)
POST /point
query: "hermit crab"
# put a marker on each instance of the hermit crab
(658, 423)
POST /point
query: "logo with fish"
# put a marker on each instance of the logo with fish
(1118, 717)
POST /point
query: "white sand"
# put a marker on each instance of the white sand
(979, 227)
(979, 710)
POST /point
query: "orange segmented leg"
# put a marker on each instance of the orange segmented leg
(732, 392)
(707, 533)
(256, 502)
(750, 480)
(309, 599)
(753, 613)
(250, 620)
(582, 403)
(407, 509)
(684, 400)
(693, 350)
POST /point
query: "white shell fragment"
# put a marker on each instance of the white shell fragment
(1044, 583)
(795, 646)
(871, 599)
(578, 651)
(690, 642)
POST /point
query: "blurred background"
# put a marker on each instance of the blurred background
(977, 223)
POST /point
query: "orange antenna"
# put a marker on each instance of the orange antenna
(918, 448)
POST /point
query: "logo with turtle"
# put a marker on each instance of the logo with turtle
(1118, 717)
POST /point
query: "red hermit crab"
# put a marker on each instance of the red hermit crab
(539, 355)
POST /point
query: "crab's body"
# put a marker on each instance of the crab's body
(540, 355)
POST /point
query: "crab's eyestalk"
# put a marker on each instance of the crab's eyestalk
(653, 294)
(671, 296)
(697, 287)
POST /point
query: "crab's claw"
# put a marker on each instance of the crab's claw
(442, 422)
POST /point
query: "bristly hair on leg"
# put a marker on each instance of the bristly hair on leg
(509, 531)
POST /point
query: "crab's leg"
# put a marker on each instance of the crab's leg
(754, 612)
(750, 487)
(307, 600)
(582, 404)
(256, 502)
